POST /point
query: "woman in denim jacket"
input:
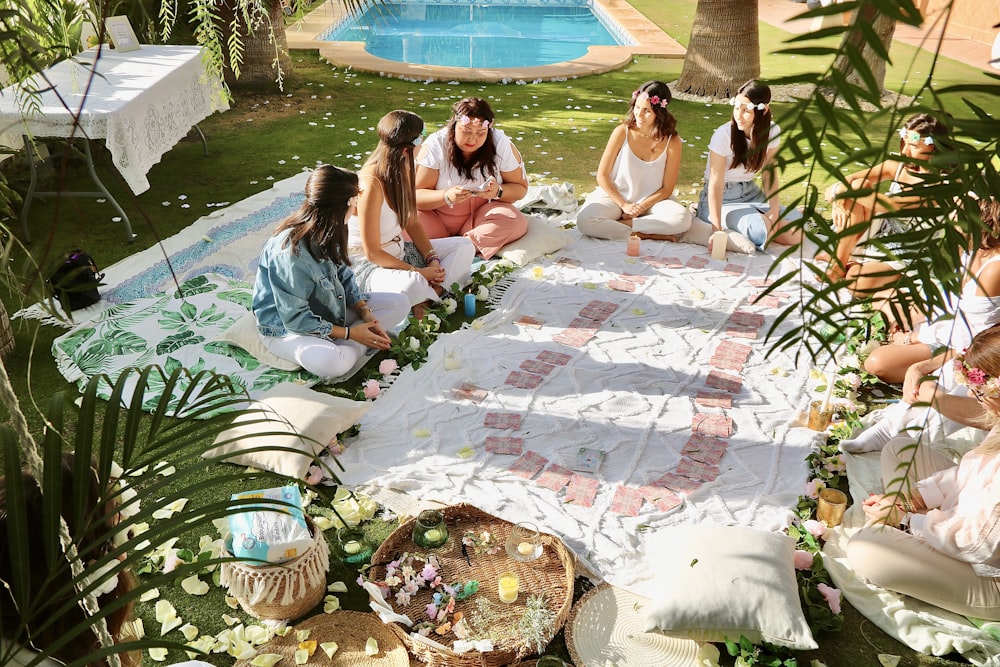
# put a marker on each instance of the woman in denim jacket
(308, 306)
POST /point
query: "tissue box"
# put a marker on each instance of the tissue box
(272, 533)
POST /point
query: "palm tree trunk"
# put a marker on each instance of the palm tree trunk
(724, 50)
(265, 59)
(884, 27)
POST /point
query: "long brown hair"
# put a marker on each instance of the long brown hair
(753, 154)
(989, 213)
(666, 124)
(320, 220)
(484, 160)
(51, 581)
(391, 163)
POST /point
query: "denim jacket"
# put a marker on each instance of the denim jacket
(299, 294)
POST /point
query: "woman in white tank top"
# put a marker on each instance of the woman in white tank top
(637, 174)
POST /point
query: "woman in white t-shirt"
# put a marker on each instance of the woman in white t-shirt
(469, 174)
(637, 174)
(739, 150)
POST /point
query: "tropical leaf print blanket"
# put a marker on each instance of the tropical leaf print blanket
(175, 329)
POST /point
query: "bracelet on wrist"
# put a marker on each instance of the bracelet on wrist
(448, 200)
(347, 333)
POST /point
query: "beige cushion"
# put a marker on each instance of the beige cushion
(243, 334)
(714, 583)
(540, 239)
(291, 416)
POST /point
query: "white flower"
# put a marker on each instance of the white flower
(849, 361)
(450, 305)
(108, 581)
(433, 321)
(414, 344)
(482, 293)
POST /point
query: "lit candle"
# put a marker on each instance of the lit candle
(433, 536)
(538, 272)
(353, 547)
(632, 247)
(525, 548)
(507, 586)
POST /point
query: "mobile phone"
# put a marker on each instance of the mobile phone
(479, 188)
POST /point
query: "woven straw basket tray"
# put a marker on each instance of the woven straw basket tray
(552, 574)
(351, 630)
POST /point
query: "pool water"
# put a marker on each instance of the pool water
(465, 35)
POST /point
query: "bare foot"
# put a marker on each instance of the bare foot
(822, 257)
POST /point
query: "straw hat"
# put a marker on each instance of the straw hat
(351, 630)
(607, 625)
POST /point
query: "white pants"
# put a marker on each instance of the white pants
(456, 255)
(600, 215)
(889, 558)
(333, 358)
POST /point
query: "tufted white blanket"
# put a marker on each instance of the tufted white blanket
(666, 388)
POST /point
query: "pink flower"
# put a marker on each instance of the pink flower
(335, 447)
(976, 376)
(815, 528)
(314, 475)
(803, 560)
(372, 389)
(814, 486)
(387, 367)
(171, 562)
(831, 595)
(432, 611)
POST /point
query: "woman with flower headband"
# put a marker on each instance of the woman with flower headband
(913, 356)
(389, 246)
(731, 200)
(469, 174)
(867, 263)
(637, 174)
(935, 534)
(307, 304)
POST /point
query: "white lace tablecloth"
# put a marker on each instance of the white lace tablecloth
(140, 102)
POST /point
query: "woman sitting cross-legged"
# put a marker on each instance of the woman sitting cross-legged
(469, 174)
(975, 309)
(869, 264)
(731, 200)
(934, 534)
(419, 268)
(637, 174)
(308, 307)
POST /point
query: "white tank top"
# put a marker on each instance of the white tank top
(635, 178)
(391, 234)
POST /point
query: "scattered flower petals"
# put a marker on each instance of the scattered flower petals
(189, 631)
(266, 660)
(337, 587)
(466, 452)
(421, 433)
(301, 655)
(194, 586)
(151, 594)
(158, 654)
(329, 648)
(371, 646)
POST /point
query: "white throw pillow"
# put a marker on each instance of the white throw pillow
(540, 239)
(243, 334)
(714, 583)
(294, 417)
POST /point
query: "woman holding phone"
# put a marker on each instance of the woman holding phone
(468, 175)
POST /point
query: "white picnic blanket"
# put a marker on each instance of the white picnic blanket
(637, 391)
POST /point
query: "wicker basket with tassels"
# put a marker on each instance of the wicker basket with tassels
(281, 592)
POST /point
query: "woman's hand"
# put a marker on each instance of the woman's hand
(882, 509)
(456, 194)
(370, 334)
(841, 215)
(631, 210)
(917, 387)
(832, 192)
(433, 274)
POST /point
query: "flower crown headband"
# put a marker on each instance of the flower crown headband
(913, 137)
(978, 380)
(654, 100)
(465, 120)
(750, 106)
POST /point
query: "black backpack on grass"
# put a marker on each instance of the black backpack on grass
(74, 280)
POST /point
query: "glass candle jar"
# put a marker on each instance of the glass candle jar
(524, 543)
(352, 546)
(507, 585)
(429, 530)
(632, 246)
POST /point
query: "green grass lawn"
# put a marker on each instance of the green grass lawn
(329, 115)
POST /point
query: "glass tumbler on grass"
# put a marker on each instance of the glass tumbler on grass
(429, 530)
(524, 543)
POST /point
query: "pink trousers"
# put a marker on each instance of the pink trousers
(490, 225)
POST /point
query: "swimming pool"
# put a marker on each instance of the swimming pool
(459, 34)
